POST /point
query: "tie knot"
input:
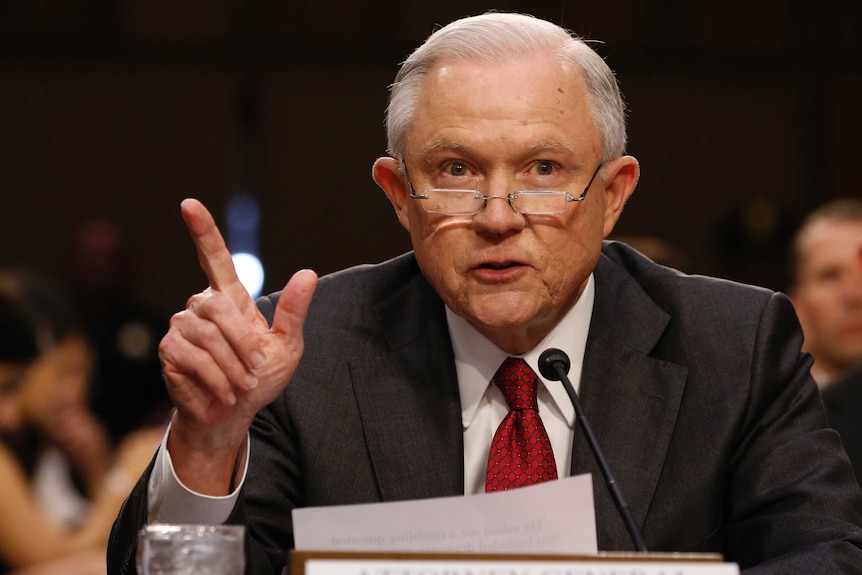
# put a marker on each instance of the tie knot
(518, 382)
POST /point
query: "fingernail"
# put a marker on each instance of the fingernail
(256, 358)
(250, 381)
(230, 398)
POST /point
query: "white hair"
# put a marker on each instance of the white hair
(491, 37)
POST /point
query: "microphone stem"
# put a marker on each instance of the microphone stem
(616, 492)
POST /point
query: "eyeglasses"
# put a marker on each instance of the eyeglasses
(468, 202)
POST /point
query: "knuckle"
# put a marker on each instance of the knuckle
(211, 305)
(176, 320)
(194, 300)
(209, 333)
(167, 343)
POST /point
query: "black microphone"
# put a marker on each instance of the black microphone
(554, 364)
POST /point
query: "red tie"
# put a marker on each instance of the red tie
(521, 452)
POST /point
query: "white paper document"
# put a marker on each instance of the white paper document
(551, 517)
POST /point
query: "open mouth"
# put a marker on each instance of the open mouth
(499, 266)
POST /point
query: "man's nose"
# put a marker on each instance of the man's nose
(498, 216)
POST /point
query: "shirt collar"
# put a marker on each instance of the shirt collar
(477, 359)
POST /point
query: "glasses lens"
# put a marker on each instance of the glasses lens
(539, 202)
(452, 202)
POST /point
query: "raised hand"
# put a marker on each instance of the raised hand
(222, 361)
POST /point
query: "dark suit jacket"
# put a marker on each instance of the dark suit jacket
(695, 387)
(843, 400)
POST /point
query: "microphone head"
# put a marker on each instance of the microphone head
(550, 360)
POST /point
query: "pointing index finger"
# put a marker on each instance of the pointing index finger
(213, 254)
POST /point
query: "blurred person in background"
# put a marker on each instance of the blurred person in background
(62, 484)
(826, 287)
(843, 400)
(127, 390)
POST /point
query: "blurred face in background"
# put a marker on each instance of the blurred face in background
(828, 295)
(55, 382)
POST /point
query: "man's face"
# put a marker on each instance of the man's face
(524, 124)
(828, 295)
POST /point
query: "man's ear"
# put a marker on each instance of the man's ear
(621, 178)
(389, 176)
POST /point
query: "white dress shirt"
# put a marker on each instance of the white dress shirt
(483, 406)
(482, 409)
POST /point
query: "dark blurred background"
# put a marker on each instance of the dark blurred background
(744, 115)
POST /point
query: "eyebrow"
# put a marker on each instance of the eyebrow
(543, 146)
(551, 146)
(440, 145)
(443, 144)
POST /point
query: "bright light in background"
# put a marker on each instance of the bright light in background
(243, 222)
(250, 272)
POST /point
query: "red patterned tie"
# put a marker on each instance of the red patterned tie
(521, 452)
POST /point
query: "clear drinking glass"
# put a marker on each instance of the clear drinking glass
(170, 549)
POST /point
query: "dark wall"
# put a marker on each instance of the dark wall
(743, 115)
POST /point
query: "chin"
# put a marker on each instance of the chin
(502, 313)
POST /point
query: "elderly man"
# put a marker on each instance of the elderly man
(507, 168)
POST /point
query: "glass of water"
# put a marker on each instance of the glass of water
(171, 549)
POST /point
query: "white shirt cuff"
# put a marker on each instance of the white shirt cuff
(169, 501)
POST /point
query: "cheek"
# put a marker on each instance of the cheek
(438, 241)
(9, 414)
(439, 251)
(568, 255)
(435, 259)
(572, 240)
(566, 269)
(821, 301)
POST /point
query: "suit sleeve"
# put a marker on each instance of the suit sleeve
(794, 505)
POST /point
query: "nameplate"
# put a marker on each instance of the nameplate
(598, 565)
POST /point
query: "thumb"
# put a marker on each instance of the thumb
(293, 303)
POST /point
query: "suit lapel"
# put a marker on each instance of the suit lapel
(623, 389)
(408, 399)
